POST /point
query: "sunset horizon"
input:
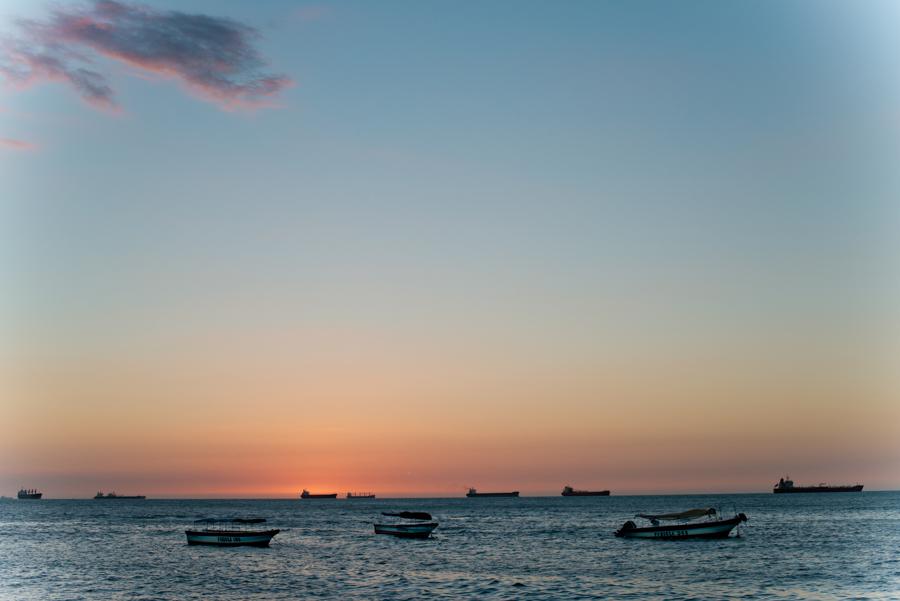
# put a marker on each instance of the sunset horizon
(267, 259)
(583, 299)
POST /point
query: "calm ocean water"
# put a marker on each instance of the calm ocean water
(831, 546)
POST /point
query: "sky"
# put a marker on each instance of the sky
(252, 247)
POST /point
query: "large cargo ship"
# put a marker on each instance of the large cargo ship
(568, 491)
(787, 486)
(30, 494)
(474, 493)
(308, 495)
(113, 495)
(360, 495)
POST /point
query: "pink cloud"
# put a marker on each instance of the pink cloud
(14, 144)
(213, 57)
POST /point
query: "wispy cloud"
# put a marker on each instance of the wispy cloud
(14, 144)
(214, 57)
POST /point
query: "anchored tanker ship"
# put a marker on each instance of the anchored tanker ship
(474, 493)
(568, 491)
(305, 494)
(360, 495)
(113, 495)
(787, 486)
(31, 493)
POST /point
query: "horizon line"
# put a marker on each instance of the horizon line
(340, 498)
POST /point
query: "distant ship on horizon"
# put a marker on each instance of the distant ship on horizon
(474, 493)
(786, 485)
(308, 495)
(568, 491)
(360, 495)
(113, 495)
(30, 494)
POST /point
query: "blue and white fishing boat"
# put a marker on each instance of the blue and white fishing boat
(412, 524)
(235, 534)
(694, 523)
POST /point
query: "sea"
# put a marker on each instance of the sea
(801, 546)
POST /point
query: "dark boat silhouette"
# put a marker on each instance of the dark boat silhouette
(474, 493)
(786, 485)
(30, 494)
(360, 495)
(308, 495)
(568, 491)
(114, 496)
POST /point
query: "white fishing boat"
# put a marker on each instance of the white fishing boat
(236, 532)
(411, 524)
(694, 523)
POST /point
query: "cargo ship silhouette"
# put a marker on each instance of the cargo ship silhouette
(568, 491)
(474, 493)
(308, 495)
(113, 495)
(786, 485)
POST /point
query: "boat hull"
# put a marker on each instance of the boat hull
(586, 493)
(713, 529)
(322, 496)
(31, 496)
(809, 489)
(406, 530)
(230, 538)
(493, 494)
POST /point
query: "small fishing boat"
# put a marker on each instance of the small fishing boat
(234, 534)
(711, 527)
(418, 525)
(360, 495)
(568, 491)
(308, 495)
(474, 493)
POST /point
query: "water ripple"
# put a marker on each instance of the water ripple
(794, 547)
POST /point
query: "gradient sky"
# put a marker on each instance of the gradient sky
(415, 246)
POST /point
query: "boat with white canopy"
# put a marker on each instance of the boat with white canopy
(693, 523)
(409, 524)
(235, 532)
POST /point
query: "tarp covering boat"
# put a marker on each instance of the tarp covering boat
(690, 514)
(230, 521)
(409, 515)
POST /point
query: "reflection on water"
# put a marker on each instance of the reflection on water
(794, 546)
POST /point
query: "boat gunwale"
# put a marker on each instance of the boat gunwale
(237, 533)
